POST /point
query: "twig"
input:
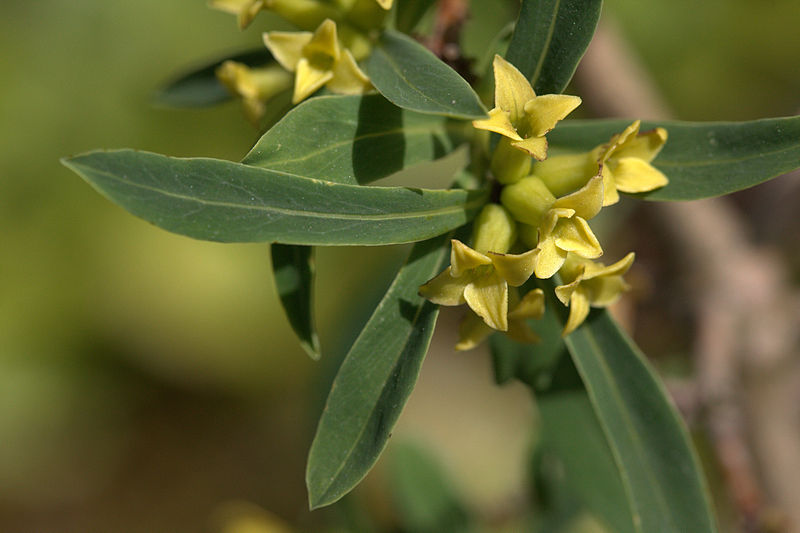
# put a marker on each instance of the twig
(747, 325)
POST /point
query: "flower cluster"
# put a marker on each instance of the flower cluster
(540, 226)
(333, 37)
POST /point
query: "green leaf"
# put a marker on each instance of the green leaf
(571, 436)
(230, 202)
(411, 77)
(293, 269)
(200, 88)
(409, 12)
(426, 499)
(659, 469)
(701, 159)
(350, 139)
(549, 40)
(375, 380)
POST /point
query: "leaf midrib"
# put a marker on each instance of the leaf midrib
(617, 398)
(441, 211)
(394, 365)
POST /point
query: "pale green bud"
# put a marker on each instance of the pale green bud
(528, 200)
(494, 230)
(509, 164)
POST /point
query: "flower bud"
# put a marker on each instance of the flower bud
(528, 200)
(494, 230)
(509, 164)
(566, 173)
(305, 14)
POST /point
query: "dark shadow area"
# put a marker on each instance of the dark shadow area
(380, 147)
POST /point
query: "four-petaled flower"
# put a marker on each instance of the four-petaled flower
(317, 59)
(481, 281)
(474, 331)
(254, 85)
(519, 114)
(624, 163)
(590, 284)
(555, 226)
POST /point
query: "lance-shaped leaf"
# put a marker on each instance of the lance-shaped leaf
(350, 139)
(293, 269)
(200, 86)
(701, 159)
(549, 40)
(375, 380)
(651, 447)
(411, 77)
(571, 441)
(223, 201)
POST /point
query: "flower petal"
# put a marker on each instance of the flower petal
(575, 235)
(531, 306)
(471, 332)
(536, 146)
(610, 194)
(604, 291)
(498, 122)
(385, 4)
(487, 295)
(596, 270)
(347, 77)
(512, 90)
(564, 292)
(324, 42)
(645, 145)
(578, 311)
(515, 269)
(308, 80)
(637, 175)
(543, 112)
(586, 201)
(287, 46)
(464, 258)
(550, 258)
(444, 289)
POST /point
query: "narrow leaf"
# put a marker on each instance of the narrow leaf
(293, 269)
(701, 159)
(200, 88)
(651, 447)
(375, 380)
(411, 77)
(549, 40)
(230, 202)
(350, 139)
(572, 437)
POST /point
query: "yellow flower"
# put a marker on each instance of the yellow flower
(590, 284)
(624, 164)
(385, 4)
(473, 331)
(317, 59)
(555, 226)
(481, 281)
(519, 114)
(245, 10)
(255, 86)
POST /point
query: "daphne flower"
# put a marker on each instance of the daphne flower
(386, 4)
(481, 281)
(474, 331)
(556, 226)
(624, 162)
(519, 114)
(254, 85)
(590, 284)
(317, 60)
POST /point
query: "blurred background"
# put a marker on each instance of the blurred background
(147, 381)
